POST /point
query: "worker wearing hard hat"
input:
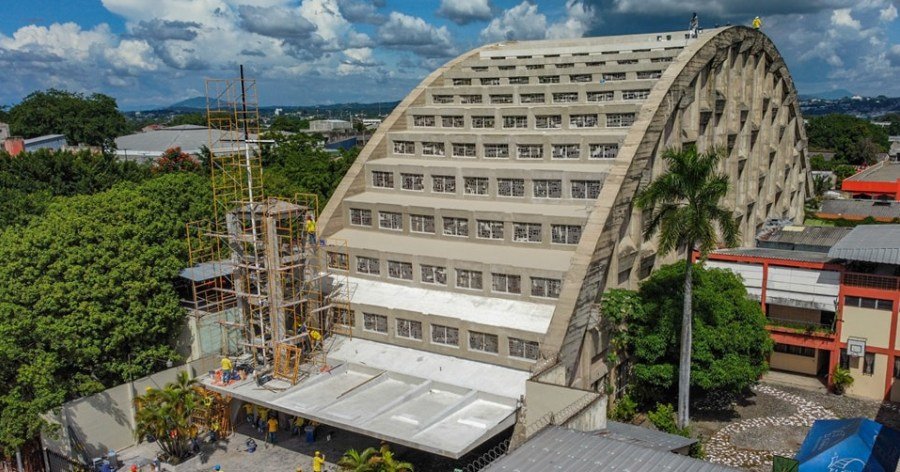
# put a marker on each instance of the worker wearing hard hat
(757, 23)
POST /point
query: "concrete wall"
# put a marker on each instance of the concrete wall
(868, 386)
(895, 390)
(873, 325)
(794, 313)
(793, 363)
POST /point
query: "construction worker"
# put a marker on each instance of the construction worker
(227, 369)
(262, 417)
(273, 428)
(318, 462)
(315, 337)
(248, 411)
(757, 23)
(695, 25)
(297, 426)
(311, 230)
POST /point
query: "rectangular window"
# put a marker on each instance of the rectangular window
(635, 94)
(530, 151)
(367, 265)
(459, 82)
(414, 182)
(534, 66)
(468, 279)
(583, 121)
(496, 151)
(409, 329)
(870, 303)
(546, 288)
(565, 65)
(404, 147)
(604, 151)
(548, 121)
(518, 80)
(469, 99)
(481, 122)
(547, 188)
(565, 234)
(627, 61)
(548, 79)
(565, 97)
(523, 349)
(490, 81)
(515, 121)
(595, 63)
(456, 226)
(382, 179)
(587, 189)
(619, 120)
(661, 59)
(527, 232)
(795, 350)
(421, 223)
(443, 184)
(390, 220)
(400, 270)
(600, 96)
(869, 363)
(511, 187)
(432, 149)
(442, 98)
(483, 342)
(375, 323)
(844, 360)
(566, 151)
(531, 98)
(506, 67)
(897, 367)
(463, 150)
(423, 120)
(649, 74)
(479, 68)
(506, 283)
(445, 335)
(433, 274)
(475, 185)
(338, 260)
(580, 78)
(360, 217)
(452, 121)
(502, 98)
(614, 76)
(489, 229)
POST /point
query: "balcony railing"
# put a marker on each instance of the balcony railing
(880, 282)
(801, 325)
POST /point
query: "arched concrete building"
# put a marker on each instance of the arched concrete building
(494, 205)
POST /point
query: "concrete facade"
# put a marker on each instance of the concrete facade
(505, 180)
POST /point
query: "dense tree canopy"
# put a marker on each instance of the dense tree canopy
(853, 140)
(86, 294)
(94, 120)
(292, 124)
(297, 165)
(730, 342)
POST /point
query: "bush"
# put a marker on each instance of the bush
(624, 410)
(840, 380)
(663, 417)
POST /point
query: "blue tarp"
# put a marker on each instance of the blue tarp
(852, 445)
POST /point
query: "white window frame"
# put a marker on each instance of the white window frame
(412, 182)
(382, 179)
(601, 96)
(361, 217)
(433, 148)
(543, 287)
(565, 234)
(468, 279)
(532, 98)
(404, 147)
(421, 224)
(484, 342)
(489, 229)
(480, 186)
(527, 151)
(507, 187)
(442, 99)
(372, 323)
(524, 349)
(431, 274)
(456, 227)
(581, 78)
(565, 97)
(463, 149)
(548, 79)
(453, 121)
(399, 270)
(483, 122)
(443, 183)
(565, 151)
(501, 98)
(471, 99)
(547, 188)
(443, 335)
(506, 283)
(613, 76)
(407, 329)
(548, 121)
(588, 120)
(424, 121)
(527, 232)
(390, 220)
(368, 265)
(583, 189)
(515, 121)
(619, 120)
(604, 151)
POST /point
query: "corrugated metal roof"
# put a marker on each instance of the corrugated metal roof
(803, 237)
(207, 270)
(861, 208)
(46, 137)
(645, 437)
(870, 243)
(881, 172)
(782, 254)
(561, 449)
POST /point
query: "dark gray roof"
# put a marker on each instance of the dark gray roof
(810, 238)
(46, 137)
(870, 243)
(782, 254)
(861, 208)
(645, 437)
(882, 172)
(566, 450)
(207, 271)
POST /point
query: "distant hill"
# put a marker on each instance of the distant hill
(195, 103)
(835, 94)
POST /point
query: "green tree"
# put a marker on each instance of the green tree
(296, 164)
(86, 295)
(173, 160)
(355, 461)
(390, 464)
(165, 414)
(290, 124)
(853, 140)
(94, 120)
(684, 211)
(197, 119)
(821, 184)
(843, 171)
(730, 345)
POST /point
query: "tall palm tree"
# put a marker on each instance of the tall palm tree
(684, 210)
(165, 414)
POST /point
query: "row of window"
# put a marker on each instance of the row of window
(531, 98)
(449, 336)
(502, 151)
(453, 226)
(480, 186)
(872, 303)
(570, 65)
(868, 362)
(585, 120)
(431, 274)
(555, 79)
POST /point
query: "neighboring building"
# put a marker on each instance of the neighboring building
(880, 210)
(4, 132)
(51, 141)
(821, 304)
(878, 182)
(329, 126)
(894, 152)
(149, 145)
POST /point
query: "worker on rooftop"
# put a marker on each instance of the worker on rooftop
(311, 229)
(273, 428)
(227, 369)
(695, 25)
(757, 23)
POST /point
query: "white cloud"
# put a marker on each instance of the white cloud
(579, 19)
(463, 12)
(66, 41)
(132, 56)
(522, 21)
(842, 17)
(415, 34)
(888, 14)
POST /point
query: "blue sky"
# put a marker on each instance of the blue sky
(156, 52)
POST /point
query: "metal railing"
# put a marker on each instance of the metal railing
(881, 282)
(800, 324)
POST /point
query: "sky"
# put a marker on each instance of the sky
(148, 53)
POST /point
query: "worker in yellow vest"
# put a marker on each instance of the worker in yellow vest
(757, 23)
(311, 230)
(318, 462)
(227, 369)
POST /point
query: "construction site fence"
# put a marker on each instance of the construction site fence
(488, 458)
